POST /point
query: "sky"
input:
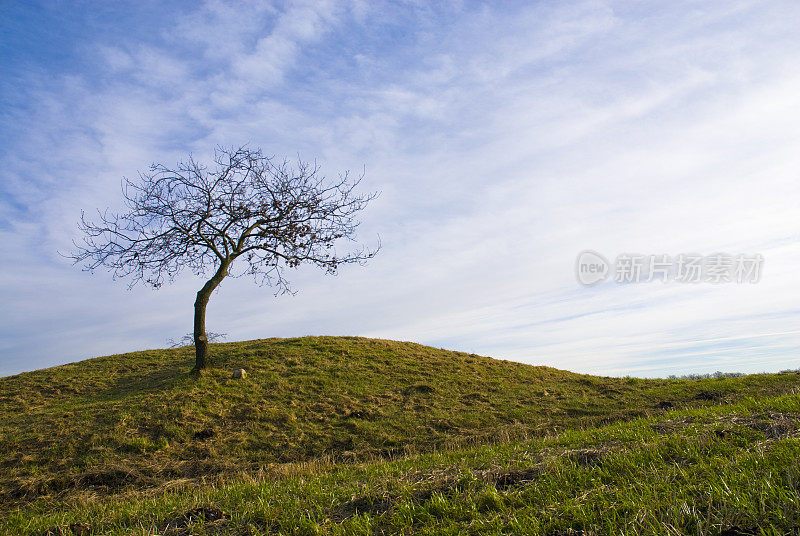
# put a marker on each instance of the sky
(505, 138)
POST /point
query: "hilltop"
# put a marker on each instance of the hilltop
(139, 421)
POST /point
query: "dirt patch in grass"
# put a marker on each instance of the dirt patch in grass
(507, 479)
(113, 478)
(74, 529)
(671, 426)
(373, 505)
(772, 425)
(205, 514)
(419, 389)
(202, 435)
(707, 395)
(587, 457)
(739, 531)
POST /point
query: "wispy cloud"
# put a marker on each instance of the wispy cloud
(504, 139)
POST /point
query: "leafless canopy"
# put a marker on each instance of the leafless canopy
(270, 214)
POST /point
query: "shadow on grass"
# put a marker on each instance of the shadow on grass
(161, 377)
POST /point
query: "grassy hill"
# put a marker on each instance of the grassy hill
(338, 435)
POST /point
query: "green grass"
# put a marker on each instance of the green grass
(719, 470)
(332, 435)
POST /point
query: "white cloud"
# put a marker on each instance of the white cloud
(503, 141)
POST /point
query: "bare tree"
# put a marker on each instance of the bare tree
(270, 215)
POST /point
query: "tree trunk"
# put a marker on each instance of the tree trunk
(200, 339)
(203, 295)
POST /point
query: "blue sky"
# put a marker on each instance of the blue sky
(505, 138)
